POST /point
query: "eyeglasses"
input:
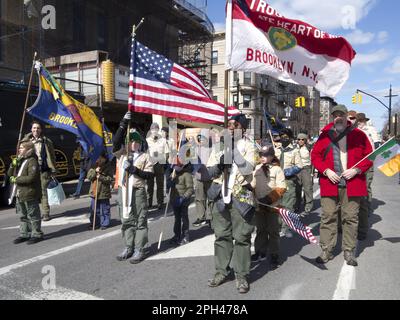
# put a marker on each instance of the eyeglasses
(301, 139)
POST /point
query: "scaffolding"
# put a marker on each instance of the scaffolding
(195, 46)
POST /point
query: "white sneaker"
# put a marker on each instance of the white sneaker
(281, 234)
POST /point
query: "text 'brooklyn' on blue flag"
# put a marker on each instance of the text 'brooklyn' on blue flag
(55, 107)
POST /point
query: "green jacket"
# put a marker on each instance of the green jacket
(182, 184)
(51, 156)
(28, 183)
(105, 181)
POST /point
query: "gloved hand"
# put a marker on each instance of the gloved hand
(15, 162)
(170, 184)
(349, 173)
(179, 201)
(133, 170)
(126, 165)
(13, 179)
(125, 120)
(332, 176)
(265, 200)
(128, 115)
(222, 165)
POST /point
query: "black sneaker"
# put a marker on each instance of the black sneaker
(174, 241)
(274, 261)
(34, 240)
(20, 240)
(257, 257)
(184, 241)
(197, 223)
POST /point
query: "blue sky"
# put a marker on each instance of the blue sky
(373, 29)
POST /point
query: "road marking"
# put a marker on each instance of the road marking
(346, 283)
(290, 292)
(50, 254)
(59, 293)
(81, 219)
(199, 248)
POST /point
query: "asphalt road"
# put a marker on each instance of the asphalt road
(75, 263)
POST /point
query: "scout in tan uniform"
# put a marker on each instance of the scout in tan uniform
(234, 208)
(158, 150)
(291, 164)
(134, 170)
(305, 175)
(269, 186)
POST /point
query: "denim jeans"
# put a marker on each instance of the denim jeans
(102, 212)
(82, 176)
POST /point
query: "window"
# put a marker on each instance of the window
(214, 80)
(214, 57)
(248, 123)
(246, 100)
(235, 100)
(215, 98)
(261, 128)
(235, 76)
(247, 78)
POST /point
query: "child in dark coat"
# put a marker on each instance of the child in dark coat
(182, 190)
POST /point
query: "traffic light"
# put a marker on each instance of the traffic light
(300, 102)
(356, 99)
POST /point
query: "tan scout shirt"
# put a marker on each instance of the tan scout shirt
(247, 150)
(291, 157)
(305, 156)
(263, 185)
(158, 149)
(142, 162)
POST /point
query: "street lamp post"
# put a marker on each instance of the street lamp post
(389, 108)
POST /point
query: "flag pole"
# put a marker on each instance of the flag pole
(134, 30)
(26, 102)
(13, 189)
(226, 102)
(95, 204)
(169, 192)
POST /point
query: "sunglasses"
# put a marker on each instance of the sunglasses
(301, 139)
(352, 118)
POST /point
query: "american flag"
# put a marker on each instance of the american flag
(294, 223)
(159, 86)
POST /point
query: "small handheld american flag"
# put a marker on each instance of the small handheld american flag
(294, 223)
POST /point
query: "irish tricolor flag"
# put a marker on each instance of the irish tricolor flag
(259, 39)
(387, 157)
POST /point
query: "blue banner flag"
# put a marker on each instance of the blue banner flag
(273, 124)
(55, 107)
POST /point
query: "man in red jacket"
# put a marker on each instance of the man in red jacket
(341, 147)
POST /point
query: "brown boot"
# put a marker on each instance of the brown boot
(324, 257)
(350, 258)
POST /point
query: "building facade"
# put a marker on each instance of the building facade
(326, 106)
